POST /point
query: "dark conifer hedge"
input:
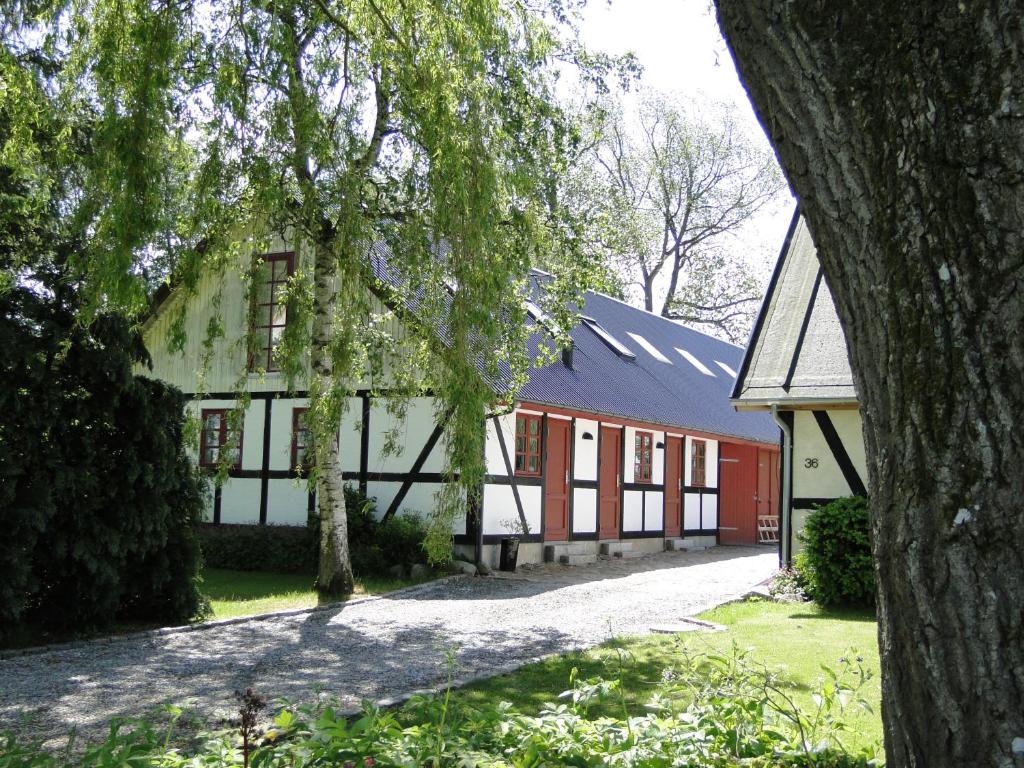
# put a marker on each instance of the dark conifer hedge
(99, 499)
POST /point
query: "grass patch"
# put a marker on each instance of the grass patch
(793, 640)
(247, 593)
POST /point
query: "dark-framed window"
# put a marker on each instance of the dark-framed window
(302, 441)
(217, 438)
(698, 471)
(528, 444)
(269, 314)
(643, 457)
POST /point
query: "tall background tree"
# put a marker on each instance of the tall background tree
(902, 133)
(431, 129)
(670, 186)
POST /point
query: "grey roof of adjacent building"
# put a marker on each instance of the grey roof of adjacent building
(797, 352)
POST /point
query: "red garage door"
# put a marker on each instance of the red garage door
(737, 483)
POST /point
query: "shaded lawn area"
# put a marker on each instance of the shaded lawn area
(793, 640)
(247, 593)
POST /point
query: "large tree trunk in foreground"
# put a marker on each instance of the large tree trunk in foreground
(334, 577)
(901, 127)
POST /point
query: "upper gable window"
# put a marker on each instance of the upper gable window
(270, 315)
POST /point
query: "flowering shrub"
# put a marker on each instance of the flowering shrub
(708, 710)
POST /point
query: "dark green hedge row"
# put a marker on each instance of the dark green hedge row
(375, 546)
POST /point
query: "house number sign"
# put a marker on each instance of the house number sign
(811, 463)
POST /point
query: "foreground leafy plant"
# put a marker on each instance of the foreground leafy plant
(708, 710)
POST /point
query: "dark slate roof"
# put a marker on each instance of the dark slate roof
(673, 394)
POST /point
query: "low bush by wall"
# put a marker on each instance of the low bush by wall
(375, 546)
(835, 567)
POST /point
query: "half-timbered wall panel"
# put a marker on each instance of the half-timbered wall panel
(584, 510)
(633, 511)
(287, 502)
(654, 511)
(500, 508)
(585, 450)
(240, 501)
(691, 512)
(493, 454)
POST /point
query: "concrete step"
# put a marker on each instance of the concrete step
(577, 559)
(552, 552)
(696, 544)
(615, 547)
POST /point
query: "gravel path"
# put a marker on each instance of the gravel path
(372, 649)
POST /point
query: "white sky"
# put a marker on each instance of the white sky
(682, 51)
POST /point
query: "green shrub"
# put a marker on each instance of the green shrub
(836, 567)
(373, 546)
(274, 548)
(100, 498)
(706, 711)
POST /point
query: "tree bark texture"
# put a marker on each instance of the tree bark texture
(334, 576)
(901, 129)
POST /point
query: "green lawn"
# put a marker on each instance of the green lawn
(794, 640)
(246, 593)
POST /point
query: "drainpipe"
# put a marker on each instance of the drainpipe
(785, 544)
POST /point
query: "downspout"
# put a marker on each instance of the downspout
(785, 544)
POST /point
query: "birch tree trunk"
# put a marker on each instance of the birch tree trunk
(901, 127)
(334, 577)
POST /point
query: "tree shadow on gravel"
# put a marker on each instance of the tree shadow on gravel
(299, 659)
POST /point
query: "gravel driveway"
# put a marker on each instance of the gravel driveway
(374, 648)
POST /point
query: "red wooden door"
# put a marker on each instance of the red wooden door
(608, 483)
(737, 489)
(673, 486)
(556, 481)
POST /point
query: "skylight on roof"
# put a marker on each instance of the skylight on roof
(695, 362)
(651, 349)
(538, 314)
(614, 344)
(725, 368)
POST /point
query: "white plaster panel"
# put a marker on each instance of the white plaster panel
(421, 419)
(500, 505)
(240, 501)
(420, 499)
(281, 431)
(585, 451)
(632, 511)
(287, 502)
(584, 510)
(629, 454)
(654, 510)
(658, 459)
(493, 455)
(252, 436)
(691, 511)
(710, 517)
(384, 492)
(826, 480)
(350, 435)
(408, 443)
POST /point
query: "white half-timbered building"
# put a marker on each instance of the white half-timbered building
(629, 437)
(797, 367)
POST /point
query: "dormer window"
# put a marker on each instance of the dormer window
(269, 313)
